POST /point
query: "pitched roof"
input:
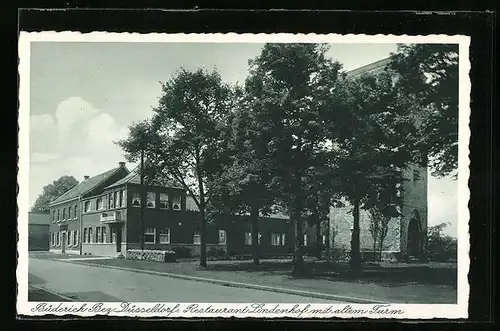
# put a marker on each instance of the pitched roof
(372, 67)
(86, 186)
(134, 178)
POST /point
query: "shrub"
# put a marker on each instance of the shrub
(216, 252)
(440, 247)
(182, 252)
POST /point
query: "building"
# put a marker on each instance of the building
(38, 231)
(407, 233)
(102, 216)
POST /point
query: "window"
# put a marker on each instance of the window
(150, 236)
(124, 198)
(69, 212)
(113, 235)
(278, 239)
(150, 200)
(98, 235)
(103, 234)
(248, 238)
(136, 199)
(323, 239)
(87, 206)
(222, 236)
(64, 214)
(85, 233)
(120, 199)
(176, 202)
(196, 238)
(305, 239)
(75, 211)
(165, 236)
(70, 238)
(52, 239)
(163, 201)
(91, 237)
(58, 238)
(59, 214)
(115, 199)
(53, 216)
(416, 174)
(75, 238)
(99, 204)
(111, 201)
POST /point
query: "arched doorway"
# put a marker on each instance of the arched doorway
(413, 243)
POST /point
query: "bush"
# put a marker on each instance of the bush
(440, 247)
(182, 252)
(216, 252)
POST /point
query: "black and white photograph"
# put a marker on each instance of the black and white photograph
(220, 175)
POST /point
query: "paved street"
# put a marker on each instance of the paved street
(85, 283)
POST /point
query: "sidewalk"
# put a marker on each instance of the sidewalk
(276, 274)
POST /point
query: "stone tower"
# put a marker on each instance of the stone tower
(407, 234)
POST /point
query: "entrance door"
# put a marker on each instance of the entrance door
(413, 238)
(118, 231)
(63, 242)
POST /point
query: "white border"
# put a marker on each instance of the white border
(410, 311)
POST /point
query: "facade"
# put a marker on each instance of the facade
(38, 232)
(102, 216)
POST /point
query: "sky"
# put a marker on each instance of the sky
(84, 95)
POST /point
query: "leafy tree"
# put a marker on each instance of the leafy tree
(428, 79)
(289, 87)
(243, 186)
(372, 137)
(182, 138)
(441, 247)
(53, 191)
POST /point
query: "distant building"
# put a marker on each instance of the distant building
(38, 231)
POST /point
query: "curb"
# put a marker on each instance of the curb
(236, 284)
(40, 288)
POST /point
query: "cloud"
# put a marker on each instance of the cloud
(78, 141)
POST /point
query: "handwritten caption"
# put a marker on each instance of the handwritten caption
(195, 309)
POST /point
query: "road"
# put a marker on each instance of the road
(91, 284)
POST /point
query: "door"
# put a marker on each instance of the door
(413, 238)
(63, 242)
(118, 231)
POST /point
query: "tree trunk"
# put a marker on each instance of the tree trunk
(375, 253)
(143, 200)
(355, 249)
(203, 244)
(318, 238)
(298, 258)
(254, 216)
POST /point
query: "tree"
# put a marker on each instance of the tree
(289, 87)
(428, 78)
(53, 191)
(441, 247)
(183, 136)
(243, 186)
(372, 137)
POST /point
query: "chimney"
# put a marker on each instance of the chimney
(85, 177)
(121, 164)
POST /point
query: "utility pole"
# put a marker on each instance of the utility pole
(143, 198)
